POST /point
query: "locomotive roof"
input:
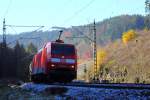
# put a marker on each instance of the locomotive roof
(53, 42)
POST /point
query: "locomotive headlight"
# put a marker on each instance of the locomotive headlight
(52, 65)
(72, 66)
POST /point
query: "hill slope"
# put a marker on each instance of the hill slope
(127, 63)
(108, 30)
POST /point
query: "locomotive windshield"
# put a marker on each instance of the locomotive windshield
(63, 49)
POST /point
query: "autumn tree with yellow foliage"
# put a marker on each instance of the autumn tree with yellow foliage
(129, 35)
(101, 56)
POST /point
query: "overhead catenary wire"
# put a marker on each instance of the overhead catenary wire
(14, 30)
(23, 26)
(21, 38)
(79, 11)
(8, 8)
(12, 27)
(84, 36)
(20, 26)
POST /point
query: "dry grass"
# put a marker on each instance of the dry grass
(124, 63)
(129, 63)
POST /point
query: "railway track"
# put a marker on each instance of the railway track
(83, 90)
(105, 86)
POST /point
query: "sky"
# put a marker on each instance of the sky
(63, 13)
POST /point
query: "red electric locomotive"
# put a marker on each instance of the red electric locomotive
(56, 61)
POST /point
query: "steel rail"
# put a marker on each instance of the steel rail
(106, 86)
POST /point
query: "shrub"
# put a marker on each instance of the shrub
(127, 36)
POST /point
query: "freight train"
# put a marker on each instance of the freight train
(55, 62)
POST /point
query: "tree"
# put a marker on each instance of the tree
(21, 64)
(14, 62)
(127, 36)
(101, 56)
(31, 48)
(6, 61)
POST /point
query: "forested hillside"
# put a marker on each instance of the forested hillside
(124, 62)
(107, 30)
(14, 62)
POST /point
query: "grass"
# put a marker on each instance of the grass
(134, 58)
(126, 63)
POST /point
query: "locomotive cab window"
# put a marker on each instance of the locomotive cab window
(63, 49)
